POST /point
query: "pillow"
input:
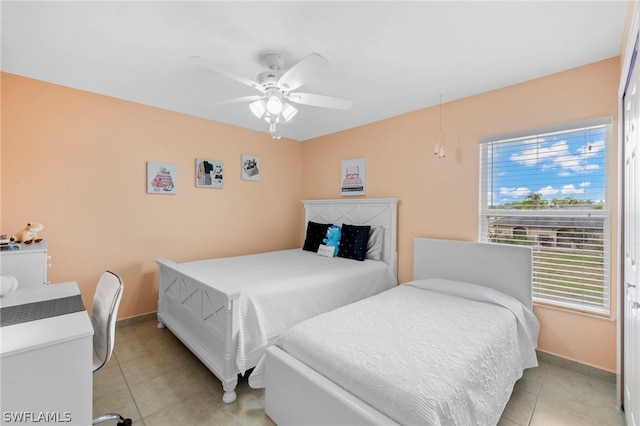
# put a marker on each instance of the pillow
(374, 246)
(315, 234)
(353, 243)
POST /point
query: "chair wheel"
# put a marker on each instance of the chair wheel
(125, 422)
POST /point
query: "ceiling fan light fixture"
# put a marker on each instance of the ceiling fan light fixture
(274, 105)
(288, 111)
(277, 87)
(258, 108)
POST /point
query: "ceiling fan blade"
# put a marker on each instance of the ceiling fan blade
(320, 100)
(312, 65)
(236, 100)
(215, 67)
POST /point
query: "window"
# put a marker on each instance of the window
(547, 189)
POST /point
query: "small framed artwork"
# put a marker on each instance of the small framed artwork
(161, 178)
(353, 176)
(209, 173)
(250, 167)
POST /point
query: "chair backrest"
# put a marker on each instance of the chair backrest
(103, 317)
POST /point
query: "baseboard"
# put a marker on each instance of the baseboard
(137, 320)
(587, 370)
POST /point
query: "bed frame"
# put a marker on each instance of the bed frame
(206, 319)
(297, 395)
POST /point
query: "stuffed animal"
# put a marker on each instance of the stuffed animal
(28, 234)
(333, 238)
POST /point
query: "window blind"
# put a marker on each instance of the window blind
(548, 189)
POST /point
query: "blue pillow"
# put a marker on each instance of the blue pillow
(315, 234)
(353, 243)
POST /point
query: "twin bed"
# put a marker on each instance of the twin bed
(227, 311)
(335, 341)
(446, 348)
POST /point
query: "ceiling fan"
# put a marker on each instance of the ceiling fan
(278, 87)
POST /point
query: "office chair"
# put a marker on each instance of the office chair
(106, 301)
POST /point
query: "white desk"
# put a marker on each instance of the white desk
(46, 365)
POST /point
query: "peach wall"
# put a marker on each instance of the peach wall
(439, 197)
(76, 162)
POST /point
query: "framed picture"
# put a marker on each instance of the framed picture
(209, 173)
(353, 176)
(161, 178)
(250, 167)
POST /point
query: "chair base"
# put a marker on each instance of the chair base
(112, 416)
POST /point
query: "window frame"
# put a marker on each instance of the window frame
(485, 212)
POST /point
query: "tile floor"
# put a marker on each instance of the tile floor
(155, 380)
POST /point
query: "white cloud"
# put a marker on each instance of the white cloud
(548, 190)
(570, 189)
(559, 155)
(531, 156)
(514, 192)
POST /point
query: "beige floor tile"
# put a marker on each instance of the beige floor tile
(120, 401)
(139, 331)
(162, 391)
(249, 400)
(170, 336)
(506, 422)
(531, 380)
(213, 383)
(520, 407)
(141, 369)
(199, 409)
(141, 347)
(210, 379)
(248, 409)
(548, 413)
(580, 393)
(107, 380)
(254, 419)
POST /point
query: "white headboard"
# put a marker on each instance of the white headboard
(360, 211)
(503, 267)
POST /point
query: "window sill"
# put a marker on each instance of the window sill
(573, 311)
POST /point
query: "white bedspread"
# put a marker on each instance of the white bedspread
(420, 353)
(282, 288)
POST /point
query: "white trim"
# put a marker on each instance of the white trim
(591, 122)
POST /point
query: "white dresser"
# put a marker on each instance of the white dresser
(28, 263)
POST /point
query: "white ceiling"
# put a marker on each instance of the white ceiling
(388, 57)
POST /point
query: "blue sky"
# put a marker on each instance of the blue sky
(554, 165)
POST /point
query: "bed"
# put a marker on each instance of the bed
(227, 311)
(468, 333)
